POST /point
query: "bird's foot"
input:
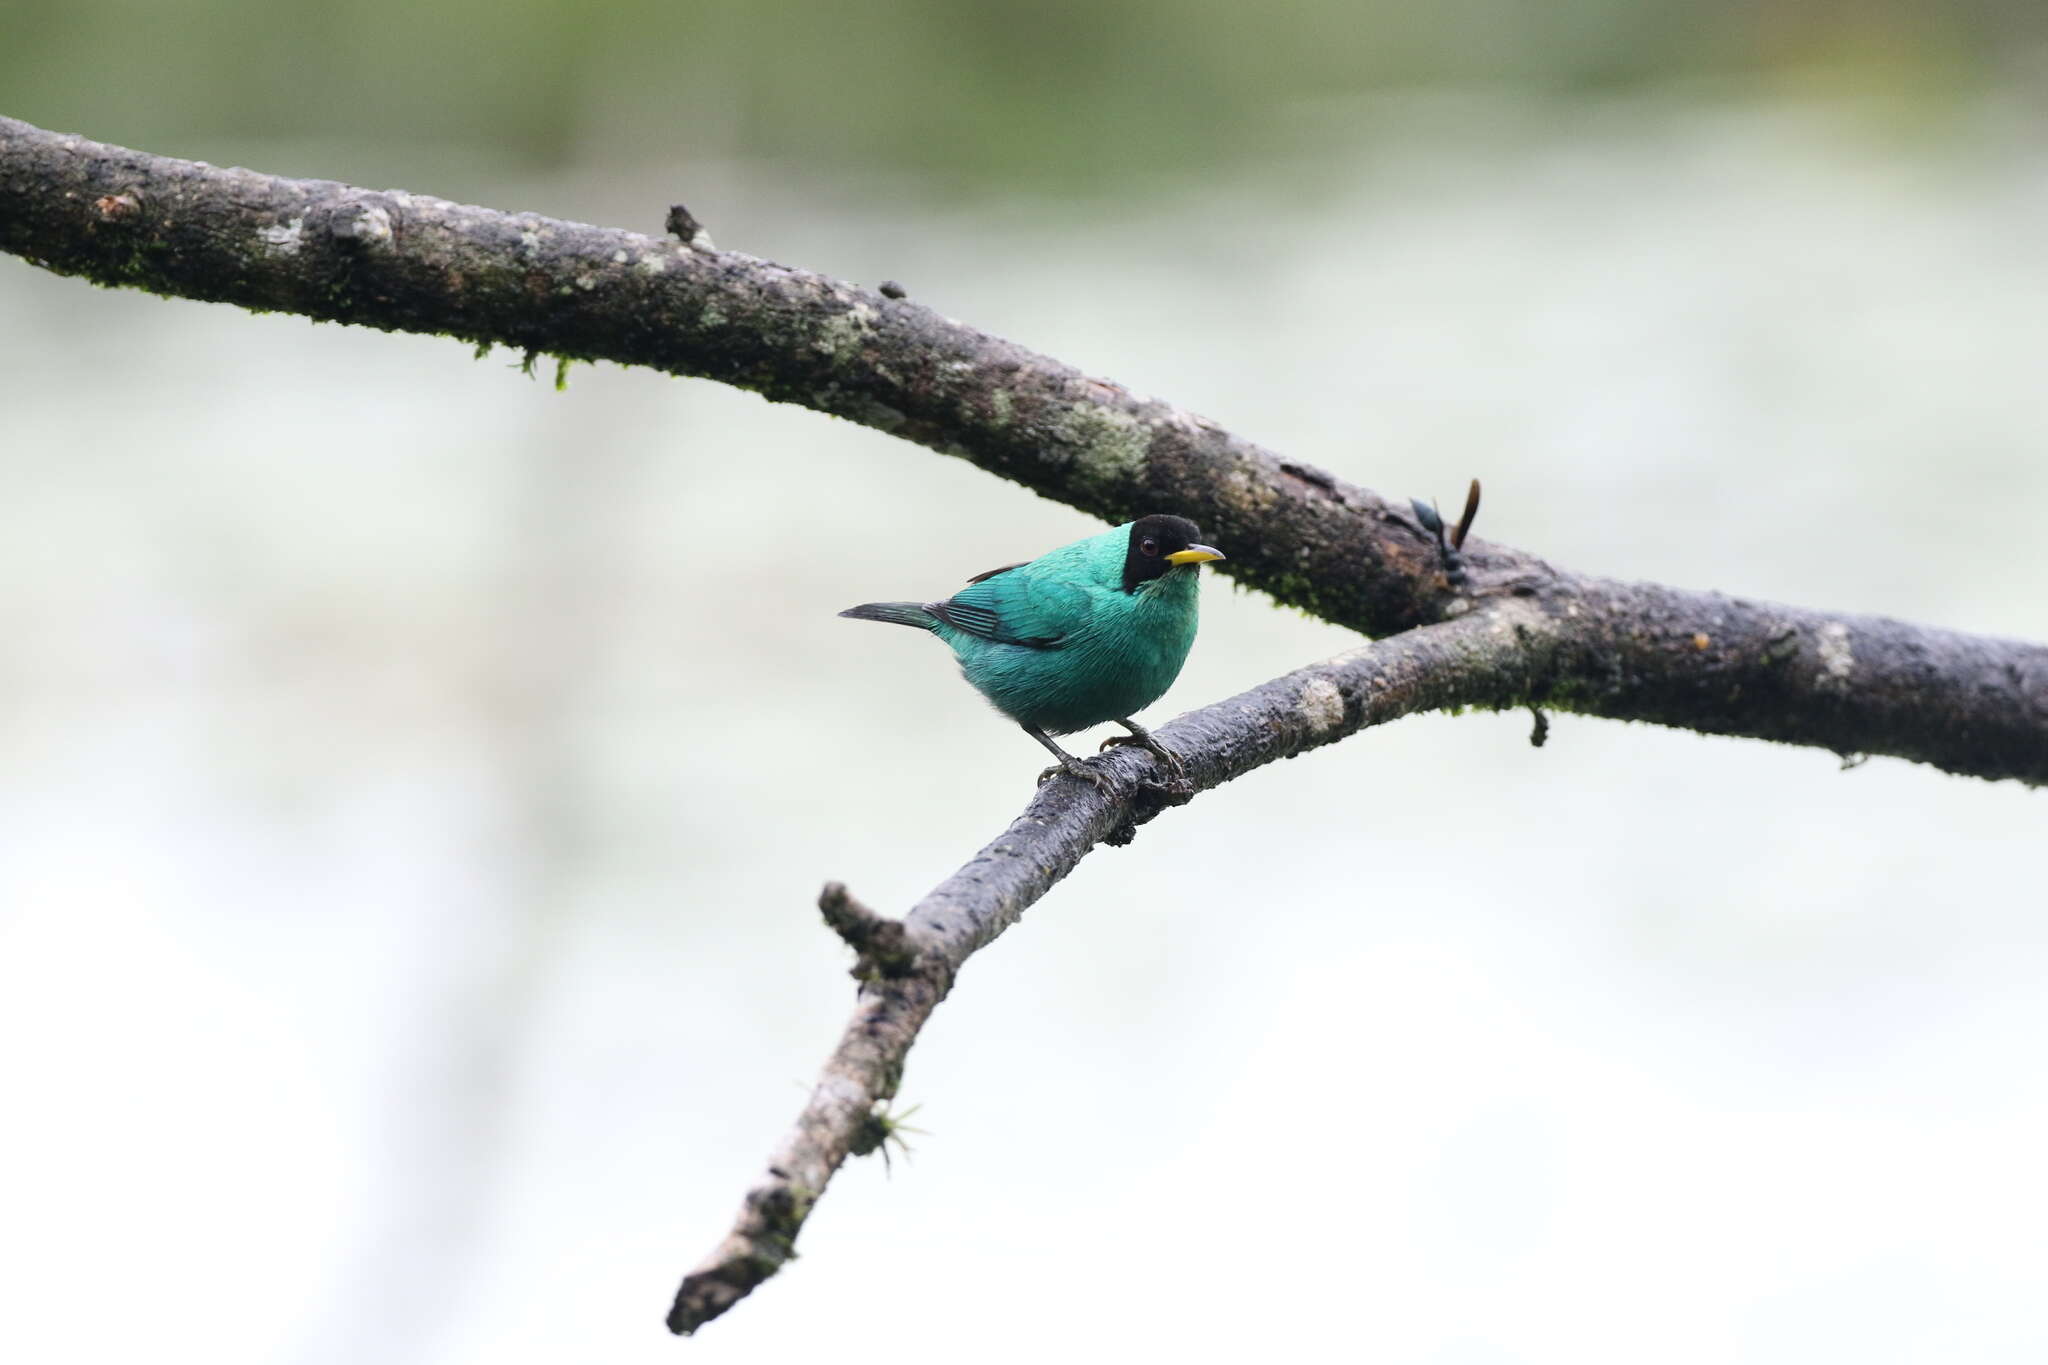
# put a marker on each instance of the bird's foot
(1074, 767)
(1176, 770)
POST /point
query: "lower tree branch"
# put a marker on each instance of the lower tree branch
(1606, 648)
(1487, 658)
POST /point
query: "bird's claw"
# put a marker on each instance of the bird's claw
(1101, 781)
(1168, 759)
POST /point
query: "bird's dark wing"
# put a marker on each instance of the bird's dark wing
(986, 622)
(1012, 608)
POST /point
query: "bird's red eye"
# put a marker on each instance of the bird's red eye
(1149, 546)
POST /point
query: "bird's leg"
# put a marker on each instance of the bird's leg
(1071, 766)
(1142, 737)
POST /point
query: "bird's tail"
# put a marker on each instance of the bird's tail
(896, 613)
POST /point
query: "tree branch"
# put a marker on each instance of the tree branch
(406, 262)
(1481, 659)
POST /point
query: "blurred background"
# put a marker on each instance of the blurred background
(414, 782)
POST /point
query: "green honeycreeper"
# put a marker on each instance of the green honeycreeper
(1091, 632)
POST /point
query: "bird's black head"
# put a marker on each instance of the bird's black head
(1160, 544)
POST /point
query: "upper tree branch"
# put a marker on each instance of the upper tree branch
(412, 263)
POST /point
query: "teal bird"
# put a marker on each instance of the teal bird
(1091, 632)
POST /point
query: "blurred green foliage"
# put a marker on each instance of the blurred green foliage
(1056, 96)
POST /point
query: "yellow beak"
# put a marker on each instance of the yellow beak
(1194, 554)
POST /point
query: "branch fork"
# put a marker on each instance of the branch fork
(882, 945)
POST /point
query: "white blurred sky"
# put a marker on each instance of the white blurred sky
(414, 783)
